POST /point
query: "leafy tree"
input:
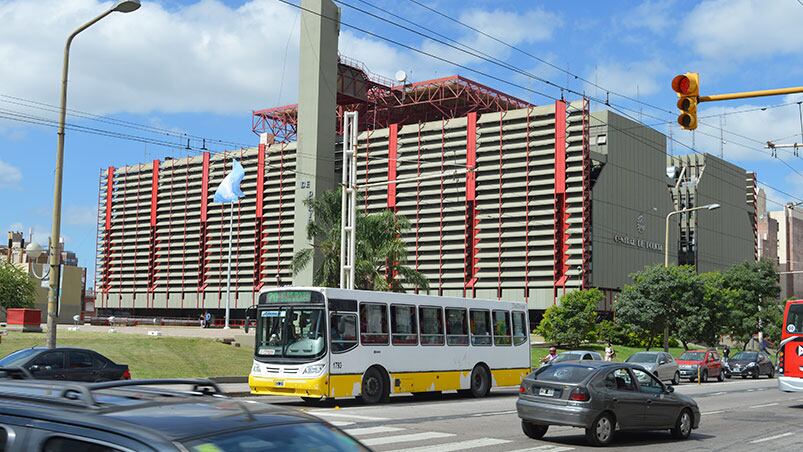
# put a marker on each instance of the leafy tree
(573, 320)
(751, 290)
(381, 255)
(704, 317)
(660, 297)
(17, 290)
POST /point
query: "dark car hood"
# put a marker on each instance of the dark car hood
(740, 362)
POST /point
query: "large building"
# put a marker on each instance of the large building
(790, 253)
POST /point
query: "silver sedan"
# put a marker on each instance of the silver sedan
(601, 396)
(661, 364)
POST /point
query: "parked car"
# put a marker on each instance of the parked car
(661, 364)
(576, 355)
(75, 364)
(143, 415)
(601, 396)
(705, 363)
(751, 364)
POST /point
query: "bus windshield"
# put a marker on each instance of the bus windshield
(290, 332)
(794, 320)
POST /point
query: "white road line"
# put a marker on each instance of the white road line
(371, 430)
(719, 393)
(494, 413)
(763, 406)
(770, 438)
(712, 412)
(547, 448)
(405, 438)
(341, 423)
(350, 416)
(460, 445)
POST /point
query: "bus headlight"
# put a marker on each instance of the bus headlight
(256, 369)
(314, 369)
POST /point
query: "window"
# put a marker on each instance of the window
(456, 326)
(647, 383)
(296, 437)
(431, 326)
(480, 327)
(373, 324)
(563, 374)
(55, 360)
(61, 444)
(344, 332)
(519, 328)
(100, 362)
(794, 319)
(502, 328)
(620, 380)
(80, 360)
(403, 325)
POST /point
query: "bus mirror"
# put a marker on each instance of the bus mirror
(247, 325)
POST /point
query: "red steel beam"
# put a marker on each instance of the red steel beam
(561, 215)
(393, 149)
(472, 239)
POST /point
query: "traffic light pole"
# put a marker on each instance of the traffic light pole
(749, 94)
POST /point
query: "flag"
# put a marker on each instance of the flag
(229, 189)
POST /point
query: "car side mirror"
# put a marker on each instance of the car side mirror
(661, 362)
(34, 368)
(670, 389)
(247, 325)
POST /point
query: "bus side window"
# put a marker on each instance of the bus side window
(373, 324)
(431, 325)
(519, 328)
(456, 326)
(480, 327)
(502, 328)
(343, 329)
(403, 325)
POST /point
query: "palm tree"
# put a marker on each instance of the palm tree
(381, 256)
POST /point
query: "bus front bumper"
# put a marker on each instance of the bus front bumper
(790, 384)
(301, 387)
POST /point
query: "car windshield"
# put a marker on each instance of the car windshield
(692, 356)
(567, 357)
(563, 373)
(745, 356)
(291, 332)
(794, 320)
(18, 357)
(284, 438)
(643, 358)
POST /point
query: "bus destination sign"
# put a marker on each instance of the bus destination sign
(291, 296)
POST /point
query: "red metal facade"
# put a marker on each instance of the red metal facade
(561, 212)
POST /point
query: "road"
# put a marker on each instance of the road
(737, 415)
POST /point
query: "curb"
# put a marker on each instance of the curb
(224, 380)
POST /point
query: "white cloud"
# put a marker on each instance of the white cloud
(10, 175)
(639, 78)
(204, 57)
(81, 215)
(655, 16)
(733, 30)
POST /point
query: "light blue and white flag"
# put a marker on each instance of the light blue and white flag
(229, 189)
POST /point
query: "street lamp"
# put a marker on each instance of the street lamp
(122, 6)
(666, 250)
(33, 251)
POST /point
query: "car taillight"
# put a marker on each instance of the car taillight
(579, 395)
(522, 390)
(126, 375)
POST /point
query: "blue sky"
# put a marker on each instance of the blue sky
(199, 68)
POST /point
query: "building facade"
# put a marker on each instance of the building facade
(790, 250)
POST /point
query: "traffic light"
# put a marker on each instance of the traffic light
(687, 86)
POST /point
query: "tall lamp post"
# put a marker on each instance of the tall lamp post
(666, 250)
(122, 6)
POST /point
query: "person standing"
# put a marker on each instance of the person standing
(553, 353)
(207, 319)
(610, 353)
(726, 352)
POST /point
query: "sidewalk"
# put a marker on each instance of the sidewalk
(169, 331)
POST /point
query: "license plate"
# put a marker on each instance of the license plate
(279, 382)
(546, 392)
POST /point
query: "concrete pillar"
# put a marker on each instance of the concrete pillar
(317, 103)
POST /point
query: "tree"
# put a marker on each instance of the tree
(751, 288)
(660, 297)
(381, 255)
(573, 320)
(17, 290)
(703, 318)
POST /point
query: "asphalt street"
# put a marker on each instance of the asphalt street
(736, 415)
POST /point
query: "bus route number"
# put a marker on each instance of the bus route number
(337, 365)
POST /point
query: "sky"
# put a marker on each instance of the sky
(142, 84)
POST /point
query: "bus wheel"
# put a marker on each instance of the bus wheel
(374, 386)
(480, 381)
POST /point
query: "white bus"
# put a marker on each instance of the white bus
(321, 343)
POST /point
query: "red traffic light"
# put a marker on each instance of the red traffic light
(686, 84)
(681, 84)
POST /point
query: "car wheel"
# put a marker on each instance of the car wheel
(534, 431)
(601, 431)
(682, 428)
(480, 381)
(756, 374)
(744, 376)
(772, 373)
(691, 380)
(676, 379)
(721, 376)
(374, 388)
(704, 378)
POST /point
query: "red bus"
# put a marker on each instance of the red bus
(790, 352)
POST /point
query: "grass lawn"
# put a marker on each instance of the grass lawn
(148, 356)
(622, 352)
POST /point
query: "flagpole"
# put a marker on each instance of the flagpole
(228, 269)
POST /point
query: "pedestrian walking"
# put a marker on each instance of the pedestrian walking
(726, 352)
(208, 319)
(610, 353)
(202, 320)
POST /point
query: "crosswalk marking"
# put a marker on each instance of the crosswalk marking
(545, 448)
(461, 445)
(405, 438)
(345, 415)
(341, 423)
(371, 430)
